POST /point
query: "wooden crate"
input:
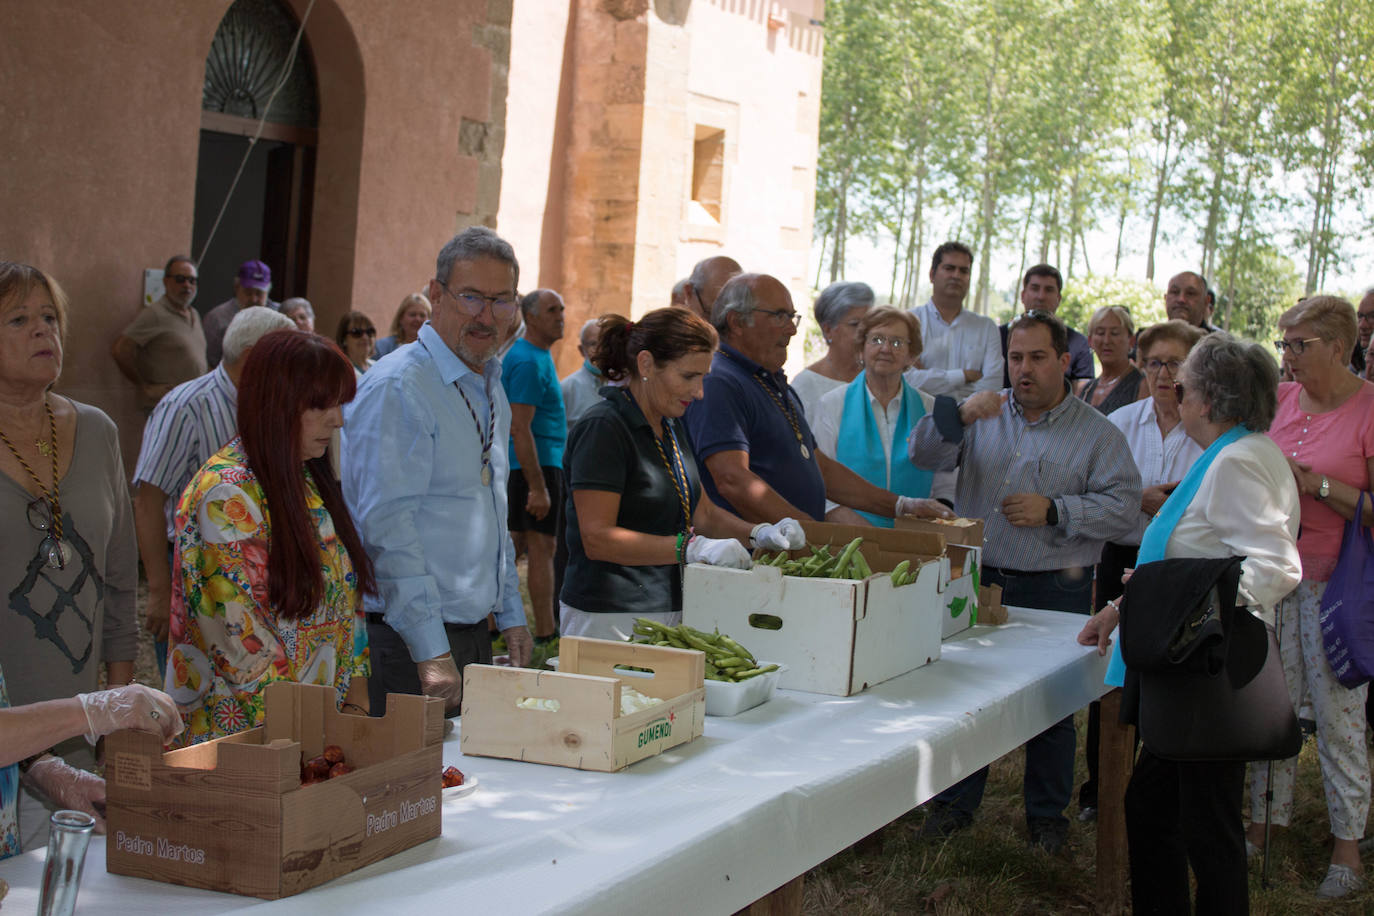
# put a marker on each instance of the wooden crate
(587, 732)
(231, 814)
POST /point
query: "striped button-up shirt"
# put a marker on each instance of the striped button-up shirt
(192, 422)
(1072, 455)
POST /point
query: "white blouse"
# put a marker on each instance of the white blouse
(1246, 506)
(1161, 459)
(811, 387)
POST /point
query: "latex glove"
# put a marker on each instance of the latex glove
(519, 645)
(439, 677)
(786, 534)
(68, 787)
(133, 706)
(921, 508)
(726, 552)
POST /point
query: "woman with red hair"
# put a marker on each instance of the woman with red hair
(271, 567)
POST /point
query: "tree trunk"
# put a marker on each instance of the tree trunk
(841, 218)
(1157, 205)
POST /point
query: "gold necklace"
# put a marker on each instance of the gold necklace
(54, 496)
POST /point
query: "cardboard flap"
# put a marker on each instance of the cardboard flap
(241, 759)
(676, 671)
(308, 713)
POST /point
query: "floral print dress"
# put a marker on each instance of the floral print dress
(226, 642)
(9, 796)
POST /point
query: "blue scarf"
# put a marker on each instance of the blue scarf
(1156, 537)
(860, 448)
(590, 368)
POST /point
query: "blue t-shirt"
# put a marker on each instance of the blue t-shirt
(737, 414)
(529, 377)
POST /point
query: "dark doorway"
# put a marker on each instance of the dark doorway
(256, 85)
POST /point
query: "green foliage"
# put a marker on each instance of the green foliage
(1086, 295)
(1241, 131)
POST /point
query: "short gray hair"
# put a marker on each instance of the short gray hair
(297, 302)
(248, 326)
(530, 301)
(1238, 380)
(838, 298)
(737, 296)
(472, 243)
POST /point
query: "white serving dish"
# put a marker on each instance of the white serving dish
(724, 698)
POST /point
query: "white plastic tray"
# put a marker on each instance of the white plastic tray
(724, 698)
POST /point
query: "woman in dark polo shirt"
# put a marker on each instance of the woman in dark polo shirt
(635, 511)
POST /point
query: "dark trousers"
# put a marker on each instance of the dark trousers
(1180, 814)
(393, 670)
(1048, 783)
(1116, 559)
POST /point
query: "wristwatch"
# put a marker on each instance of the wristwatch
(1324, 490)
(1052, 515)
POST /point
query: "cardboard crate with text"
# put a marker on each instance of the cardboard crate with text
(837, 636)
(231, 814)
(572, 717)
(964, 547)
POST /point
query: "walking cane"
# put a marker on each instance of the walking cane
(1269, 780)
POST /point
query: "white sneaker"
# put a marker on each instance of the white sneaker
(1340, 880)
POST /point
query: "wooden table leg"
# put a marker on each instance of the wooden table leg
(785, 901)
(1114, 756)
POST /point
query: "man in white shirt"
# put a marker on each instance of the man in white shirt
(581, 387)
(961, 352)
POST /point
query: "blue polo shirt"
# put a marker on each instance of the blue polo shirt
(736, 414)
(529, 377)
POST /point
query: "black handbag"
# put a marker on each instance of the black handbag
(1203, 677)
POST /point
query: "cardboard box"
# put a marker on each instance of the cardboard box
(965, 531)
(587, 731)
(836, 636)
(991, 611)
(231, 814)
(961, 596)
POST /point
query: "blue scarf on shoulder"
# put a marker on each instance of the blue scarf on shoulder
(1156, 537)
(860, 448)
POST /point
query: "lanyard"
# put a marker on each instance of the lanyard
(486, 439)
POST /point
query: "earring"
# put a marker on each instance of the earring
(643, 378)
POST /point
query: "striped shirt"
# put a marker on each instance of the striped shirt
(192, 422)
(1071, 454)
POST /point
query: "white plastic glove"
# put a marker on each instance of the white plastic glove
(134, 706)
(68, 787)
(439, 677)
(786, 534)
(726, 552)
(922, 508)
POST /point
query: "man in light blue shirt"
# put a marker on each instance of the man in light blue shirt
(425, 464)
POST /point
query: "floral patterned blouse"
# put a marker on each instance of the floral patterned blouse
(226, 642)
(9, 796)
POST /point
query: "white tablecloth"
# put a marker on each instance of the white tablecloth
(710, 826)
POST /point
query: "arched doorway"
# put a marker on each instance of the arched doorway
(268, 215)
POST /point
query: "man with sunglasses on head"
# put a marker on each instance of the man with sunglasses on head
(700, 290)
(425, 468)
(749, 431)
(165, 345)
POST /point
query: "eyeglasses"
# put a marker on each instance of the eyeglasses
(1155, 365)
(1296, 347)
(897, 343)
(362, 332)
(182, 278)
(781, 318)
(1178, 391)
(1364, 316)
(472, 304)
(55, 554)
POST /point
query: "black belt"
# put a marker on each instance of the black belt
(1024, 573)
(374, 617)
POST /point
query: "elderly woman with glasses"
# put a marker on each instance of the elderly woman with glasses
(355, 337)
(1325, 426)
(68, 558)
(1111, 334)
(839, 309)
(1237, 500)
(865, 425)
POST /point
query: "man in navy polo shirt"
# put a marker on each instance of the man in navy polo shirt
(758, 456)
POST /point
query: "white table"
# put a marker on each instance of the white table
(710, 826)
